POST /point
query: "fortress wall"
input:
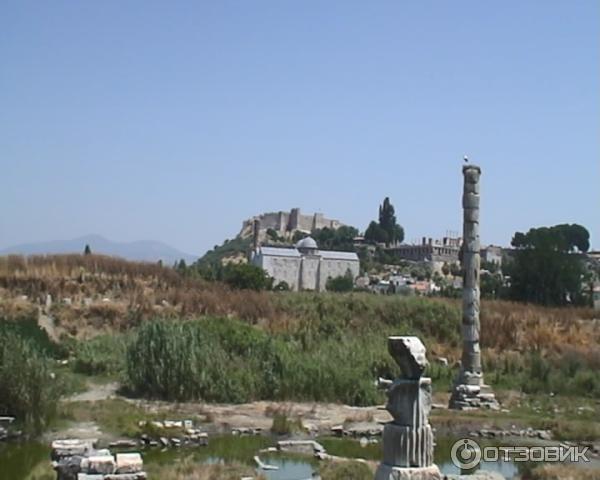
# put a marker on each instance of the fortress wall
(305, 222)
(292, 220)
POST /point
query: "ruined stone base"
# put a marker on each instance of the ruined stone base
(469, 392)
(387, 472)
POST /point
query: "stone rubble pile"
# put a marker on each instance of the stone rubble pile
(5, 422)
(183, 433)
(525, 433)
(252, 431)
(76, 459)
(368, 430)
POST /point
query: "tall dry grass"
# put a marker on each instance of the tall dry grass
(139, 291)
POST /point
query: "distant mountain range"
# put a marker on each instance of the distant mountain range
(143, 250)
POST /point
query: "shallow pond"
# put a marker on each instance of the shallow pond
(30, 460)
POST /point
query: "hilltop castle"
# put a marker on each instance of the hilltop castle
(285, 223)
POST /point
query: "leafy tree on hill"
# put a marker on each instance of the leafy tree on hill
(181, 266)
(210, 264)
(331, 238)
(547, 267)
(87, 250)
(375, 233)
(336, 239)
(340, 284)
(244, 276)
(388, 230)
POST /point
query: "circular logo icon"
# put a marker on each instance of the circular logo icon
(465, 454)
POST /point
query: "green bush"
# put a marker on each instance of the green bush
(346, 471)
(102, 355)
(343, 283)
(244, 276)
(283, 424)
(29, 390)
(27, 327)
(226, 360)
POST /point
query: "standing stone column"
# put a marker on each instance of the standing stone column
(469, 389)
(408, 439)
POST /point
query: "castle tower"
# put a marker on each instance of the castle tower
(255, 239)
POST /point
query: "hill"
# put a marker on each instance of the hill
(142, 250)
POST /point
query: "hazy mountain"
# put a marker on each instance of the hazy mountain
(144, 250)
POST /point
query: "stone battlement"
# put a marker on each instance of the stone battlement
(286, 222)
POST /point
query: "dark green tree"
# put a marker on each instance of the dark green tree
(446, 269)
(336, 239)
(244, 276)
(491, 285)
(87, 250)
(376, 234)
(282, 286)
(387, 229)
(547, 267)
(343, 283)
(387, 221)
(181, 266)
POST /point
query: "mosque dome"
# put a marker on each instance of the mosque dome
(307, 243)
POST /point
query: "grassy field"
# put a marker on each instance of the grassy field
(169, 337)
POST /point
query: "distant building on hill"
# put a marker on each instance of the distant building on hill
(492, 254)
(305, 267)
(596, 294)
(438, 251)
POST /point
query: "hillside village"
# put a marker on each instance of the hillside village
(276, 242)
(292, 312)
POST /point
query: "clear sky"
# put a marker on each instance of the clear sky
(175, 120)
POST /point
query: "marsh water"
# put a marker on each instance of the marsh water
(30, 460)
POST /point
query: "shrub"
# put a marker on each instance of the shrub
(246, 277)
(212, 359)
(102, 355)
(346, 471)
(284, 423)
(29, 390)
(226, 360)
(343, 283)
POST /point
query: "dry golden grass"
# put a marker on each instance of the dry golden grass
(516, 326)
(564, 472)
(138, 291)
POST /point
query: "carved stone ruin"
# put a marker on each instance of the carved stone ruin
(75, 459)
(408, 439)
(469, 390)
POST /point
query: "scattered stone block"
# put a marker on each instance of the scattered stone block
(71, 447)
(103, 464)
(129, 463)
(123, 443)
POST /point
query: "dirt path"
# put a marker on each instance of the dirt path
(95, 392)
(46, 322)
(259, 415)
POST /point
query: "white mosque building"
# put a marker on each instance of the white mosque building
(305, 267)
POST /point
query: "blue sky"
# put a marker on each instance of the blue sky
(174, 121)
